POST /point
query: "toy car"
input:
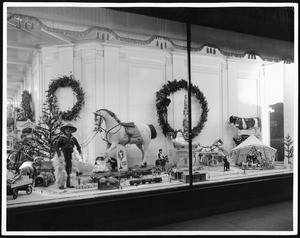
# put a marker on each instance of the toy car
(17, 183)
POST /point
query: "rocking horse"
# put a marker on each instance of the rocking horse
(117, 132)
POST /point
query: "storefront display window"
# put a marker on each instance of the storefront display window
(129, 104)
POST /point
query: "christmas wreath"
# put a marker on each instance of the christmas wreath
(162, 103)
(68, 81)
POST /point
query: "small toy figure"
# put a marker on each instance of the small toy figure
(100, 165)
(65, 145)
(113, 163)
(121, 157)
(162, 160)
(160, 156)
(226, 164)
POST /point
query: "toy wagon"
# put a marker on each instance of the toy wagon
(17, 183)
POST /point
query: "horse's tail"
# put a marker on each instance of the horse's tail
(153, 131)
(259, 122)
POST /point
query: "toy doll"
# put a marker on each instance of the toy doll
(65, 144)
(100, 165)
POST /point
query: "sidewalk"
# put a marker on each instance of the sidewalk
(272, 217)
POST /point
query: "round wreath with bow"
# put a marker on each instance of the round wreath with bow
(68, 81)
(162, 103)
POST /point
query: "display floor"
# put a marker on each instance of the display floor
(51, 194)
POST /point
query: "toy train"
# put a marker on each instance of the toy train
(138, 181)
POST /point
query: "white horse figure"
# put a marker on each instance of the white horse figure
(117, 132)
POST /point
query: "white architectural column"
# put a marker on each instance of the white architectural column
(77, 67)
(37, 86)
(179, 65)
(100, 145)
(228, 131)
(179, 71)
(290, 100)
(169, 71)
(265, 110)
(111, 77)
(65, 60)
(88, 77)
(232, 71)
(123, 86)
(291, 103)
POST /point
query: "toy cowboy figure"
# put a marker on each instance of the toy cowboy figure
(65, 144)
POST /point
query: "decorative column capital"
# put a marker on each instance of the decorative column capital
(78, 53)
(100, 53)
(122, 56)
(56, 56)
(169, 60)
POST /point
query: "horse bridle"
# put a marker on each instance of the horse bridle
(99, 128)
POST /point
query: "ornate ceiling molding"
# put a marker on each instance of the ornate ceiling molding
(229, 46)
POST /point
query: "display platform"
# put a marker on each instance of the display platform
(135, 207)
(88, 186)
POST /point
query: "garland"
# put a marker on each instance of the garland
(162, 103)
(68, 81)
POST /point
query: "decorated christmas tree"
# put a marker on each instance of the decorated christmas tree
(47, 130)
(27, 108)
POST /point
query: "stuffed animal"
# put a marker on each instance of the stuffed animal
(76, 157)
(59, 171)
(27, 169)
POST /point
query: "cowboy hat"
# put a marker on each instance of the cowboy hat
(68, 125)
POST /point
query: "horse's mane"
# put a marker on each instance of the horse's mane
(111, 114)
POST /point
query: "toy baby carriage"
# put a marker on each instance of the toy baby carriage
(17, 183)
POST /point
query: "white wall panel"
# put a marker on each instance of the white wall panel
(111, 76)
(65, 58)
(247, 94)
(143, 83)
(210, 85)
(125, 80)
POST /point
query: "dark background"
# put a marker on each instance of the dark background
(270, 22)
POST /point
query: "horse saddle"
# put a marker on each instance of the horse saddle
(127, 124)
(131, 130)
